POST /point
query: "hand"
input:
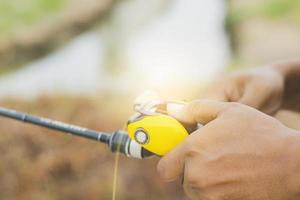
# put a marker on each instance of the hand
(261, 88)
(240, 153)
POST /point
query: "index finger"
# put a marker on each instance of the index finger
(199, 111)
(171, 166)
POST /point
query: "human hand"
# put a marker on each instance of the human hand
(261, 88)
(239, 153)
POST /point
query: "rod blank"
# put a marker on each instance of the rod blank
(55, 125)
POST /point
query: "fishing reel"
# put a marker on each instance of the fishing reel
(153, 129)
(150, 131)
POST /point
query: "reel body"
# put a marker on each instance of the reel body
(154, 130)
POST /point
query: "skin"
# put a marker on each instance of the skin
(265, 88)
(219, 161)
(240, 152)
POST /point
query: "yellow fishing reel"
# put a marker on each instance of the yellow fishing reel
(154, 130)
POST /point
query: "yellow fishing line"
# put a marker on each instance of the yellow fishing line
(116, 169)
(115, 176)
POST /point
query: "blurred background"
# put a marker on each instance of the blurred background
(85, 61)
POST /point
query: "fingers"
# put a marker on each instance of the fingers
(171, 166)
(254, 96)
(226, 89)
(217, 95)
(200, 111)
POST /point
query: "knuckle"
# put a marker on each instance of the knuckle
(191, 149)
(192, 180)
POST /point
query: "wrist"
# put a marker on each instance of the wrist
(292, 163)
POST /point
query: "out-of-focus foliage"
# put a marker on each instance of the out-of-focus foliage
(272, 9)
(30, 29)
(37, 163)
(263, 31)
(17, 14)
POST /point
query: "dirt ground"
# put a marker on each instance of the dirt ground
(43, 164)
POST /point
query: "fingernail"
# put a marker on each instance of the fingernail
(175, 109)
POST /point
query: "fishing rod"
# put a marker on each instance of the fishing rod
(150, 131)
(117, 141)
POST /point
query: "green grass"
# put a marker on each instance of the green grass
(280, 8)
(20, 14)
(271, 9)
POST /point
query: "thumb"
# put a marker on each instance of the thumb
(199, 111)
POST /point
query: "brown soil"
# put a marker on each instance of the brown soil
(42, 164)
